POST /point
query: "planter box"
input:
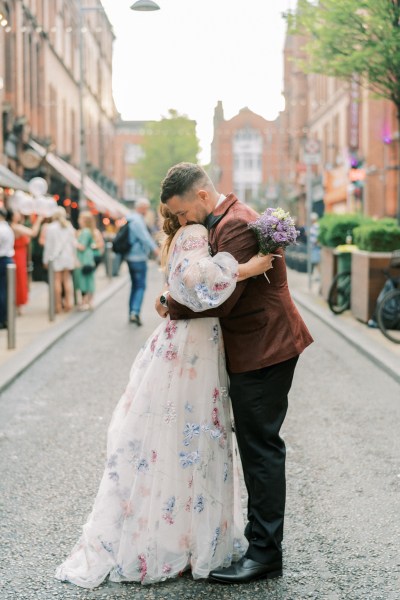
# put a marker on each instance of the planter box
(367, 280)
(328, 269)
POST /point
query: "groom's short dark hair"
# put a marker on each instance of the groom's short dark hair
(180, 179)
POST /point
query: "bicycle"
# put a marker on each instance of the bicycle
(388, 306)
(339, 296)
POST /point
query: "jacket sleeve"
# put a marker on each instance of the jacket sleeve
(196, 279)
(236, 238)
(139, 231)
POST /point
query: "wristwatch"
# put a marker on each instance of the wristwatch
(164, 299)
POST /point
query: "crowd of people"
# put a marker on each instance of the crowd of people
(74, 254)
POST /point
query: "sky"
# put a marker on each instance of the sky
(192, 53)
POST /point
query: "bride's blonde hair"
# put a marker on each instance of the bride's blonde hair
(170, 226)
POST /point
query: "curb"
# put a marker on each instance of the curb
(12, 368)
(379, 356)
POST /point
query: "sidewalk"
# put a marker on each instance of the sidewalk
(35, 333)
(370, 342)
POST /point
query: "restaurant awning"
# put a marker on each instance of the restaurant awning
(8, 179)
(103, 201)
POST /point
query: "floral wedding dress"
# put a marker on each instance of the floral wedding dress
(169, 497)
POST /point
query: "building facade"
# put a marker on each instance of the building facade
(246, 154)
(42, 48)
(358, 137)
(128, 152)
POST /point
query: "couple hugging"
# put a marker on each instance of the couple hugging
(169, 498)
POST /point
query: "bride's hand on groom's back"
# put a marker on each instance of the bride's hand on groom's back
(257, 265)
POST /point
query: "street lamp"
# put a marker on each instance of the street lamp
(140, 5)
(145, 5)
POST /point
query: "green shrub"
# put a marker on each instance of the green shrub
(335, 228)
(381, 236)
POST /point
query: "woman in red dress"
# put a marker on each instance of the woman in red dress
(23, 236)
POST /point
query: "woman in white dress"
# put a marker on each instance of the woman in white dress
(60, 248)
(169, 498)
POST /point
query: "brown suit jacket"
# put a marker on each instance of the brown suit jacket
(260, 323)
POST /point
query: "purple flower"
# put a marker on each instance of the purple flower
(274, 229)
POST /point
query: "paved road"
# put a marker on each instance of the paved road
(342, 433)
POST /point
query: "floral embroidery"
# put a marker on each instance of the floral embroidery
(214, 540)
(171, 353)
(142, 567)
(142, 465)
(168, 510)
(191, 243)
(188, 407)
(199, 503)
(153, 456)
(170, 329)
(153, 343)
(113, 476)
(112, 461)
(191, 430)
(189, 459)
(225, 471)
(188, 504)
(166, 568)
(169, 412)
(215, 395)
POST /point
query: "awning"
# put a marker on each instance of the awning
(103, 201)
(9, 179)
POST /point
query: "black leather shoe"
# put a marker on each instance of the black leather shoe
(246, 570)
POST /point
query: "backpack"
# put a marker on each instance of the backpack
(121, 243)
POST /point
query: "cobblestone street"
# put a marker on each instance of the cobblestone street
(342, 528)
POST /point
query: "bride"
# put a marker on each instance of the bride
(169, 497)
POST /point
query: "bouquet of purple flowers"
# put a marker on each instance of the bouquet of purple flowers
(274, 229)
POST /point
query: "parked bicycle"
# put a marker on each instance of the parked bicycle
(388, 303)
(339, 296)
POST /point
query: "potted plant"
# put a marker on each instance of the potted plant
(335, 230)
(375, 242)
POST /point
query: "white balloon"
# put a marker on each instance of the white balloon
(38, 186)
(26, 205)
(45, 206)
(15, 200)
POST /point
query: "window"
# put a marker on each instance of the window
(133, 153)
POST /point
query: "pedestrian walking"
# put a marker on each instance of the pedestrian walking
(264, 336)
(7, 252)
(84, 278)
(315, 247)
(141, 245)
(60, 249)
(169, 497)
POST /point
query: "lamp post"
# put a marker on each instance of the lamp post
(139, 5)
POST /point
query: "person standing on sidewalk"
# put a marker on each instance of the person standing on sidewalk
(7, 240)
(60, 249)
(263, 335)
(141, 245)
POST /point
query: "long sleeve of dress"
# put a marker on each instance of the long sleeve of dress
(196, 279)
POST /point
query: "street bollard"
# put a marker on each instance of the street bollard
(108, 259)
(11, 308)
(52, 297)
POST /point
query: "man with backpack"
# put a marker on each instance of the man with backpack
(135, 244)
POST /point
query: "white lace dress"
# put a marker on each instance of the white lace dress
(169, 497)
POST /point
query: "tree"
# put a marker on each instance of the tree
(348, 38)
(166, 142)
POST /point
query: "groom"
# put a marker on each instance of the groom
(263, 335)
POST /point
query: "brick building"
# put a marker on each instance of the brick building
(358, 138)
(246, 154)
(40, 101)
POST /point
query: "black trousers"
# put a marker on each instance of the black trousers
(259, 403)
